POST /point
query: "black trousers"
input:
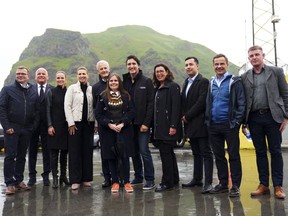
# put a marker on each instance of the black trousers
(40, 134)
(170, 171)
(202, 154)
(15, 155)
(264, 129)
(218, 134)
(80, 147)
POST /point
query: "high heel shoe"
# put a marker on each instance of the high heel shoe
(64, 179)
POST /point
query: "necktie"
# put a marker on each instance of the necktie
(190, 81)
(41, 92)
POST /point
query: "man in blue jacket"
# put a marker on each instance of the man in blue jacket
(225, 109)
(267, 116)
(19, 116)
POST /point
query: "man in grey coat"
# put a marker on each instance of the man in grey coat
(266, 116)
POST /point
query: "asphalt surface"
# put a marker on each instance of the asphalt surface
(43, 200)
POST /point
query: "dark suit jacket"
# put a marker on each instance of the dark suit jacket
(193, 107)
(42, 102)
(276, 88)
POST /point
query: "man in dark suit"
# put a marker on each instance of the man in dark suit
(266, 116)
(103, 69)
(193, 100)
(40, 134)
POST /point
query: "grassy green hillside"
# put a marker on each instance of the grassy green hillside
(52, 51)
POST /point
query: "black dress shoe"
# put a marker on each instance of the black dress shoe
(31, 182)
(219, 189)
(234, 191)
(106, 183)
(162, 188)
(193, 183)
(207, 188)
(46, 180)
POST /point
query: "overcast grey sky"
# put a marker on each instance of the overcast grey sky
(223, 25)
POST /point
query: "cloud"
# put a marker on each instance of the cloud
(224, 26)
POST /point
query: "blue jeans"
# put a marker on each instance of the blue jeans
(263, 126)
(142, 153)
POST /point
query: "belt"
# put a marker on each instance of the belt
(261, 111)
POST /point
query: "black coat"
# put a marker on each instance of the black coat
(109, 136)
(167, 112)
(97, 88)
(193, 107)
(56, 118)
(142, 93)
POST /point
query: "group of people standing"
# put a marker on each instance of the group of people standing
(214, 111)
(125, 112)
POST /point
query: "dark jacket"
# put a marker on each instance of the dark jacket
(167, 112)
(103, 117)
(276, 88)
(142, 97)
(42, 102)
(19, 106)
(97, 88)
(56, 118)
(237, 102)
(193, 107)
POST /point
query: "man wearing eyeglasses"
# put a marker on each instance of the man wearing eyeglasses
(19, 116)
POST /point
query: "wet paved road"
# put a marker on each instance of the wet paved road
(43, 200)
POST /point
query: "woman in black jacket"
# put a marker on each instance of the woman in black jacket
(57, 129)
(114, 113)
(167, 113)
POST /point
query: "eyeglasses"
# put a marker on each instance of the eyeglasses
(21, 74)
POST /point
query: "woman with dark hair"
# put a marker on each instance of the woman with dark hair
(114, 113)
(57, 140)
(167, 121)
(78, 105)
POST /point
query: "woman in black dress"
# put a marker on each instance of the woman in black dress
(167, 124)
(57, 129)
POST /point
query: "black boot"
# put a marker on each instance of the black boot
(63, 168)
(54, 167)
(55, 181)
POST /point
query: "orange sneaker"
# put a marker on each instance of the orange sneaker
(115, 188)
(128, 188)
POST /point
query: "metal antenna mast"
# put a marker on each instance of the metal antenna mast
(263, 14)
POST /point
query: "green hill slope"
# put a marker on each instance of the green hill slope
(66, 50)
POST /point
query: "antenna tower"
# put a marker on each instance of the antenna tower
(264, 34)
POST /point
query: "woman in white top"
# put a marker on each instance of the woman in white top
(79, 114)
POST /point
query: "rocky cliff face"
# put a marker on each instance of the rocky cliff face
(57, 50)
(56, 43)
